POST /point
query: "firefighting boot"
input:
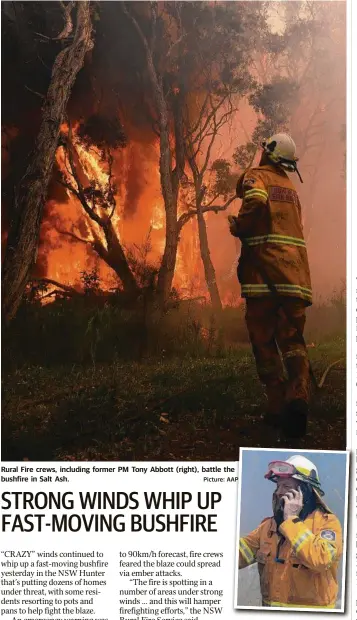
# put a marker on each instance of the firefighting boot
(296, 410)
(275, 392)
(294, 419)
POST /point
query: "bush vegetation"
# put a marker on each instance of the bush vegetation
(101, 328)
(92, 377)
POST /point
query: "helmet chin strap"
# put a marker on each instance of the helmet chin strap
(291, 165)
(298, 173)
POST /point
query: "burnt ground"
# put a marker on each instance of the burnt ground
(188, 409)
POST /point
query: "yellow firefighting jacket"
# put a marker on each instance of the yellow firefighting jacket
(298, 563)
(273, 257)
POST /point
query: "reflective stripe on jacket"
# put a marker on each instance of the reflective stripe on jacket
(274, 257)
(298, 563)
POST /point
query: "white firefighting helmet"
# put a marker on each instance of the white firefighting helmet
(300, 468)
(281, 149)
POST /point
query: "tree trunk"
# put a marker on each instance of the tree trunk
(169, 177)
(110, 251)
(167, 267)
(168, 262)
(116, 259)
(31, 194)
(209, 269)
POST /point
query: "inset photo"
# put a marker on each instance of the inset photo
(291, 530)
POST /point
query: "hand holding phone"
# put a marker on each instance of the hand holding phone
(293, 503)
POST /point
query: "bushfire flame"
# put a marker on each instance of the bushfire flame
(70, 242)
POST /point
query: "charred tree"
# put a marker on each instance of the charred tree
(210, 273)
(170, 173)
(191, 64)
(98, 202)
(31, 193)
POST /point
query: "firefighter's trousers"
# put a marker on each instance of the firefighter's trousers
(277, 323)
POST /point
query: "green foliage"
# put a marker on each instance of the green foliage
(273, 101)
(244, 154)
(224, 180)
(216, 43)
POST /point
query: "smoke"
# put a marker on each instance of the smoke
(114, 85)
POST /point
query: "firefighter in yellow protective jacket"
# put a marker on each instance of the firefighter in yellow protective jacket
(299, 548)
(274, 274)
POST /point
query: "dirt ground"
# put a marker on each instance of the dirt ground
(187, 409)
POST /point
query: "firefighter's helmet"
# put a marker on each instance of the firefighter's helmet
(300, 468)
(281, 149)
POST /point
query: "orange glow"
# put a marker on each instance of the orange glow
(67, 256)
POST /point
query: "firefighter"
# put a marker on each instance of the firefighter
(274, 274)
(299, 548)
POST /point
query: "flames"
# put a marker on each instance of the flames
(90, 162)
(68, 234)
(158, 217)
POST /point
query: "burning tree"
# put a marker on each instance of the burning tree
(97, 194)
(171, 168)
(185, 53)
(175, 73)
(31, 193)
